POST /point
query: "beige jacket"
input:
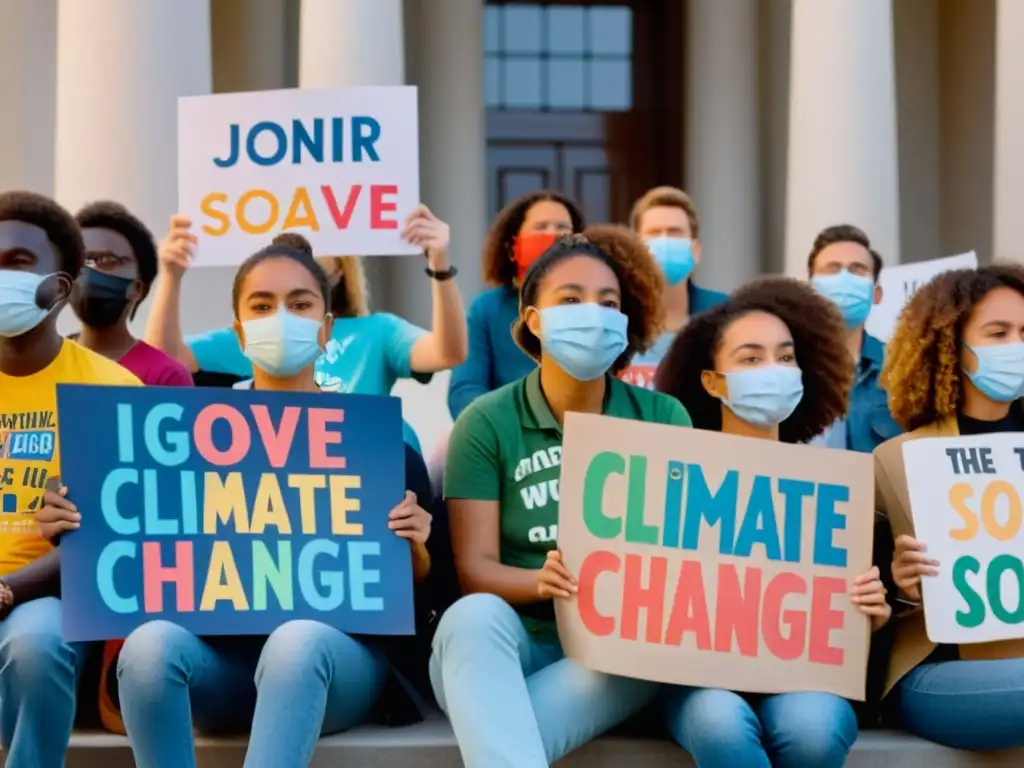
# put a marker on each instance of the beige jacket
(911, 645)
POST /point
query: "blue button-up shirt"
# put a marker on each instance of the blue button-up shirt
(868, 422)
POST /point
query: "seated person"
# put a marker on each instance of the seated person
(770, 363)
(587, 305)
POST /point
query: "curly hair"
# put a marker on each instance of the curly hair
(819, 341)
(922, 363)
(60, 226)
(640, 283)
(498, 267)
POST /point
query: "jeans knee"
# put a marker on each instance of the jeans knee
(34, 657)
(474, 621)
(150, 655)
(810, 729)
(296, 650)
(708, 716)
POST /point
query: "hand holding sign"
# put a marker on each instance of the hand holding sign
(554, 580)
(868, 594)
(424, 230)
(409, 520)
(909, 564)
(177, 249)
(58, 515)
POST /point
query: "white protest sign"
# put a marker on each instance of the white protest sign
(340, 167)
(900, 282)
(965, 498)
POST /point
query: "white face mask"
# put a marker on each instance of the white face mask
(19, 309)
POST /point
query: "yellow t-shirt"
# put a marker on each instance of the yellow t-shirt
(29, 454)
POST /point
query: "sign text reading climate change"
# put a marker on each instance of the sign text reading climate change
(965, 498)
(231, 511)
(340, 167)
(716, 561)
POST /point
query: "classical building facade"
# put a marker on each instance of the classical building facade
(779, 116)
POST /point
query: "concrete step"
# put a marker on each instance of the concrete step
(431, 744)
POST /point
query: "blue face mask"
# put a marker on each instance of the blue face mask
(19, 311)
(282, 344)
(764, 397)
(675, 255)
(853, 294)
(1000, 373)
(583, 339)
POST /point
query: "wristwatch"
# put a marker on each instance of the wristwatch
(443, 274)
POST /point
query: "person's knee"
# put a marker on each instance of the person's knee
(708, 714)
(474, 620)
(150, 654)
(811, 729)
(34, 656)
(297, 648)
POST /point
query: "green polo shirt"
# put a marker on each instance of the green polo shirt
(507, 447)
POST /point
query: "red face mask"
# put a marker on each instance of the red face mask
(527, 248)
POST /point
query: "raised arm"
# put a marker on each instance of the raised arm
(163, 328)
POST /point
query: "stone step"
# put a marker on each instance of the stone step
(431, 744)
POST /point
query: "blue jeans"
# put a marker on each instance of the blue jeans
(305, 680)
(723, 729)
(976, 705)
(38, 685)
(514, 702)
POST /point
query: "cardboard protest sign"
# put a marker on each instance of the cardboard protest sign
(901, 281)
(230, 512)
(711, 560)
(965, 498)
(340, 167)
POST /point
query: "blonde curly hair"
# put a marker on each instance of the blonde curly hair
(922, 364)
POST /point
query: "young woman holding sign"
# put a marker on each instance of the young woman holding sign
(769, 363)
(524, 229)
(306, 678)
(955, 366)
(586, 306)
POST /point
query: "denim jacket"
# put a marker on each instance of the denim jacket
(868, 422)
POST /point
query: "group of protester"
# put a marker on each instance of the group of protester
(597, 319)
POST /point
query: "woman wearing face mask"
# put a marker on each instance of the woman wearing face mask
(955, 366)
(523, 230)
(586, 306)
(307, 678)
(769, 363)
(366, 353)
(666, 218)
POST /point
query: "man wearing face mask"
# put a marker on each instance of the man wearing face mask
(845, 269)
(666, 219)
(41, 255)
(120, 267)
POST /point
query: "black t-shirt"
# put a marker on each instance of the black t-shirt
(1012, 422)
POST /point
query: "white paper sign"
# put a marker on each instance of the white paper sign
(965, 498)
(340, 167)
(900, 282)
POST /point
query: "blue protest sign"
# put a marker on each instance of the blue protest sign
(230, 512)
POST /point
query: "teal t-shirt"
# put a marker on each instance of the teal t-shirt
(365, 356)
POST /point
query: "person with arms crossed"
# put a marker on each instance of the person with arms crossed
(41, 256)
(845, 269)
(524, 229)
(120, 266)
(587, 305)
(306, 678)
(770, 364)
(666, 218)
(955, 366)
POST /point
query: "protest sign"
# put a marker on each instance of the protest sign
(340, 167)
(900, 282)
(230, 512)
(712, 560)
(965, 498)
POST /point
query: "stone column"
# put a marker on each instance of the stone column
(842, 165)
(122, 64)
(722, 147)
(28, 61)
(1009, 152)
